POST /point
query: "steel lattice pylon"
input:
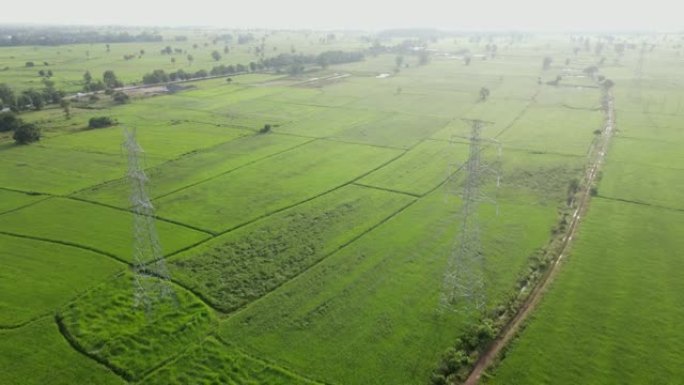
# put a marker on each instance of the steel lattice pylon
(149, 284)
(464, 281)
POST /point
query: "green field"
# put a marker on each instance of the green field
(315, 252)
(613, 314)
(39, 277)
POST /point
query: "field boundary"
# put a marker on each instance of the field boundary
(67, 243)
(640, 203)
(64, 332)
(233, 169)
(25, 323)
(388, 190)
(171, 221)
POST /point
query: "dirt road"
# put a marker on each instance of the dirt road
(597, 157)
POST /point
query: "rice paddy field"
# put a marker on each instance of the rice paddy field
(614, 313)
(315, 253)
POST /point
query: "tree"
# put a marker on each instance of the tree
(65, 104)
(9, 122)
(484, 93)
(190, 59)
(608, 84)
(110, 80)
(423, 57)
(226, 50)
(157, 76)
(7, 96)
(29, 64)
(26, 133)
(216, 55)
(266, 129)
(173, 61)
(31, 98)
(546, 64)
(252, 66)
(399, 60)
(87, 77)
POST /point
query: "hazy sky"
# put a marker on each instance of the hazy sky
(358, 14)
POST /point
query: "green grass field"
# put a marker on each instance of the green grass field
(39, 277)
(101, 229)
(37, 354)
(613, 314)
(315, 253)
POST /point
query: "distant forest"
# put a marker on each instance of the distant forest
(17, 36)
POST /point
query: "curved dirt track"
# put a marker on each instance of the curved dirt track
(509, 331)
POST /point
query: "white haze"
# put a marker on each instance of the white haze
(554, 15)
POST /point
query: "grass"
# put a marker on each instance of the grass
(38, 277)
(56, 171)
(613, 313)
(374, 304)
(11, 200)
(211, 362)
(421, 169)
(107, 324)
(92, 226)
(195, 167)
(242, 266)
(554, 130)
(160, 140)
(37, 354)
(328, 244)
(398, 130)
(272, 184)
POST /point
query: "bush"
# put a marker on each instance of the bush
(120, 97)
(26, 133)
(266, 129)
(101, 122)
(9, 122)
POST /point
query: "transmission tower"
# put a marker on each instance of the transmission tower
(150, 285)
(639, 71)
(464, 281)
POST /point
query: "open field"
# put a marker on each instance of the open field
(38, 277)
(37, 354)
(614, 312)
(315, 251)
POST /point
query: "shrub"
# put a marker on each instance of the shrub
(9, 122)
(26, 133)
(120, 97)
(101, 122)
(266, 129)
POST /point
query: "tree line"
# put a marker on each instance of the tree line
(17, 36)
(31, 98)
(291, 63)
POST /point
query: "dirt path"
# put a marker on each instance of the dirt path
(598, 153)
